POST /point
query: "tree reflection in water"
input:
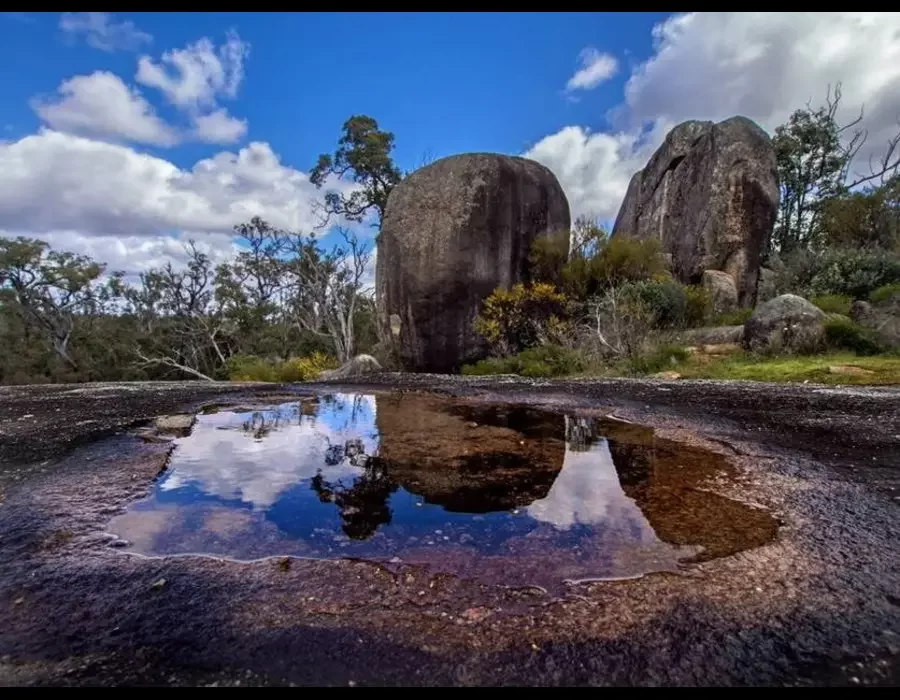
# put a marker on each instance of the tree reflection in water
(363, 505)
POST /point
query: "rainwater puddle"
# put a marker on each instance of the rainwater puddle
(510, 495)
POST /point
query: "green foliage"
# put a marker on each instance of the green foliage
(854, 273)
(843, 334)
(548, 257)
(363, 153)
(866, 219)
(305, 369)
(738, 317)
(833, 303)
(884, 293)
(669, 304)
(619, 261)
(698, 305)
(249, 368)
(543, 361)
(811, 162)
(522, 317)
(658, 359)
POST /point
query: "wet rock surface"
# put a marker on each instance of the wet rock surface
(818, 605)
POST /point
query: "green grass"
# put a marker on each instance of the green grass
(833, 303)
(812, 368)
(884, 293)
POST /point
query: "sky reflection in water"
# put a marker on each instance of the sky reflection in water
(511, 494)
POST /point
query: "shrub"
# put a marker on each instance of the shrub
(522, 317)
(543, 361)
(549, 255)
(855, 273)
(304, 369)
(620, 261)
(669, 303)
(884, 293)
(658, 359)
(698, 306)
(249, 368)
(843, 334)
(833, 303)
(664, 301)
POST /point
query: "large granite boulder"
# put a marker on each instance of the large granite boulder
(452, 233)
(882, 317)
(710, 195)
(786, 323)
(722, 291)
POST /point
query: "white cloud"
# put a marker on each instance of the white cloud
(587, 492)
(101, 32)
(135, 254)
(223, 460)
(594, 168)
(193, 77)
(219, 127)
(595, 68)
(52, 181)
(716, 65)
(102, 105)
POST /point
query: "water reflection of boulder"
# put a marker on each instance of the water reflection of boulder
(669, 481)
(466, 458)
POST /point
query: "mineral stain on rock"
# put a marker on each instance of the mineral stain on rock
(505, 494)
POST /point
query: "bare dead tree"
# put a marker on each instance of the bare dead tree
(181, 305)
(327, 288)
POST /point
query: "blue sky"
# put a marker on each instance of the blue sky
(122, 135)
(443, 83)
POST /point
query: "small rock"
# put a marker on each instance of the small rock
(180, 424)
(476, 614)
(850, 370)
(669, 374)
(721, 348)
(158, 585)
(18, 601)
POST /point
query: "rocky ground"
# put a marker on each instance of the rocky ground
(819, 605)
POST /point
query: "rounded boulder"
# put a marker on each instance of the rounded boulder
(453, 232)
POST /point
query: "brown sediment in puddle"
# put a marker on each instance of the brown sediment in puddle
(505, 494)
(671, 483)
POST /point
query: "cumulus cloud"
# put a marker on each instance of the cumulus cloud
(100, 31)
(219, 127)
(595, 68)
(195, 76)
(136, 254)
(52, 181)
(102, 105)
(715, 65)
(225, 461)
